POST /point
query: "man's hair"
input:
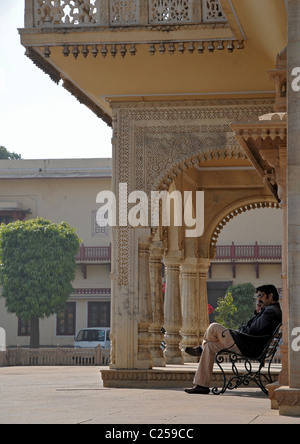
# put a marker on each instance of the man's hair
(268, 289)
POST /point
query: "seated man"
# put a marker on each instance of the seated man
(268, 316)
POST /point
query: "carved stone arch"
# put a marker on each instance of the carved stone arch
(164, 179)
(233, 210)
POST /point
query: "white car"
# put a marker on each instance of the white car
(92, 337)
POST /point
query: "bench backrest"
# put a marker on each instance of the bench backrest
(273, 344)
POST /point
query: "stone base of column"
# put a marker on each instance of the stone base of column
(143, 361)
(189, 359)
(159, 362)
(156, 350)
(174, 358)
(158, 358)
(172, 352)
(288, 401)
(272, 394)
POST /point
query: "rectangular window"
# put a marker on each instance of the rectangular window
(98, 314)
(23, 327)
(66, 321)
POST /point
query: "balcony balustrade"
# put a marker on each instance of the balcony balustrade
(94, 254)
(70, 13)
(246, 254)
(92, 291)
(252, 253)
(224, 253)
(119, 26)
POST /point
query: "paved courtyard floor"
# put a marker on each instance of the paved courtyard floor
(75, 395)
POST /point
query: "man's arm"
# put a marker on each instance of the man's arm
(264, 323)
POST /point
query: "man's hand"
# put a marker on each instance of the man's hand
(259, 306)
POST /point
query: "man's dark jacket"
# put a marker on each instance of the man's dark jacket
(263, 324)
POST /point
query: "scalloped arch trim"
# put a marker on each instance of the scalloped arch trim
(207, 155)
(233, 212)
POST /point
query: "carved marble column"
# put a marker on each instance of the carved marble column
(288, 397)
(203, 267)
(144, 360)
(277, 159)
(282, 193)
(279, 163)
(190, 307)
(173, 315)
(155, 264)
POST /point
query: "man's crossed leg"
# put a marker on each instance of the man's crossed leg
(215, 339)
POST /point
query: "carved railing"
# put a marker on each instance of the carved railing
(170, 11)
(124, 12)
(249, 252)
(92, 291)
(94, 254)
(69, 13)
(66, 12)
(54, 357)
(212, 11)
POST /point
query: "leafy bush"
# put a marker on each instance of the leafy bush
(237, 307)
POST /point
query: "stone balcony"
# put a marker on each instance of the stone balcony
(70, 13)
(83, 43)
(165, 25)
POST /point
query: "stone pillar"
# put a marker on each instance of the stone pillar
(288, 397)
(281, 180)
(173, 316)
(282, 193)
(203, 267)
(190, 312)
(144, 308)
(155, 264)
(130, 300)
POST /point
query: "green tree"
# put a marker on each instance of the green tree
(225, 311)
(5, 154)
(237, 307)
(37, 260)
(245, 302)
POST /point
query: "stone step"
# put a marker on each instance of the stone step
(167, 377)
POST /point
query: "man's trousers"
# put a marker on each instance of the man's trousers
(212, 343)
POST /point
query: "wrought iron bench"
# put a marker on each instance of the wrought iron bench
(247, 374)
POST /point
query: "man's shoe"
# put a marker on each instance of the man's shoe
(198, 390)
(194, 351)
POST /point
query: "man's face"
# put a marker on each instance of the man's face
(263, 300)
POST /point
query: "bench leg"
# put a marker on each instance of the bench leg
(215, 390)
(235, 381)
(239, 378)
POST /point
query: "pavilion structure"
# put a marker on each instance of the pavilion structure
(196, 94)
